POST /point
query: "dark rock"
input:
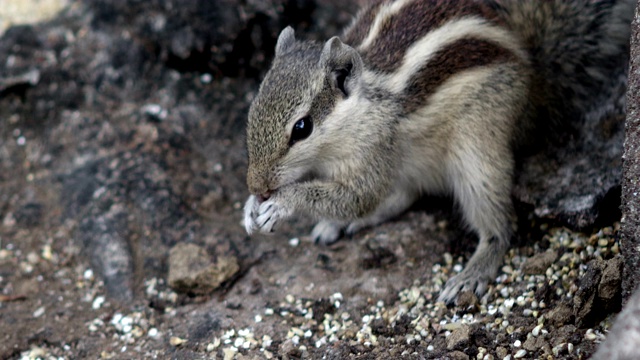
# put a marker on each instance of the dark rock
(577, 181)
(459, 338)
(609, 289)
(539, 263)
(598, 292)
(192, 270)
(561, 315)
(585, 305)
(630, 223)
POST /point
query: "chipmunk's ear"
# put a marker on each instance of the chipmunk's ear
(343, 65)
(286, 39)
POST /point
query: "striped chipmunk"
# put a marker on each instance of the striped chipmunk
(425, 97)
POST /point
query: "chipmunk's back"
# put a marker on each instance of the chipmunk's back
(384, 31)
(420, 44)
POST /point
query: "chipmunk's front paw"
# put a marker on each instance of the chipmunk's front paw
(250, 209)
(465, 281)
(264, 216)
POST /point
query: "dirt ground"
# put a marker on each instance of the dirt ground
(112, 152)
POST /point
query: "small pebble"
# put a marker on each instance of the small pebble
(5, 254)
(97, 303)
(88, 274)
(238, 342)
(536, 330)
(176, 341)
(47, 254)
(39, 312)
(33, 258)
(229, 353)
(206, 78)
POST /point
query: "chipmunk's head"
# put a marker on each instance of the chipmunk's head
(294, 118)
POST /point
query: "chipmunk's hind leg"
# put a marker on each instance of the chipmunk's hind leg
(486, 206)
(481, 176)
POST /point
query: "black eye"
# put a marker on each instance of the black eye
(301, 130)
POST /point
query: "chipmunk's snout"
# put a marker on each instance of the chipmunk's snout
(265, 196)
(261, 193)
(258, 186)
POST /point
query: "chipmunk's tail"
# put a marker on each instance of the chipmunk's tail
(579, 52)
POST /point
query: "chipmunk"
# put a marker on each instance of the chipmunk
(425, 96)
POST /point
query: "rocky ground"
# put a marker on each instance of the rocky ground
(122, 171)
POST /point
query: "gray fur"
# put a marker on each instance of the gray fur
(579, 52)
(370, 156)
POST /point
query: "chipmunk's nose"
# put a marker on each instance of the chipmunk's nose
(259, 184)
(265, 196)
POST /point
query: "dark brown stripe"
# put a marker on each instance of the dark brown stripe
(411, 23)
(360, 28)
(458, 56)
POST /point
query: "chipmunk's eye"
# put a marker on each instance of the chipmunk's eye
(301, 130)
